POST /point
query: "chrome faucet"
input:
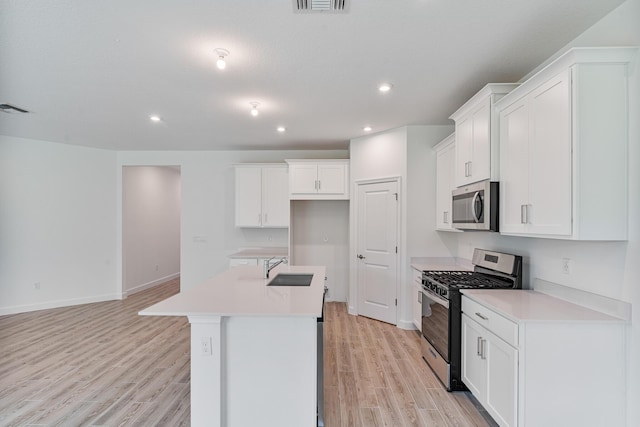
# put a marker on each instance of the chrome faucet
(267, 266)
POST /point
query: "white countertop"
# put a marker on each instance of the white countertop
(241, 291)
(441, 264)
(260, 253)
(530, 306)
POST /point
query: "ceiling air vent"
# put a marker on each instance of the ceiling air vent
(7, 108)
(320, 5)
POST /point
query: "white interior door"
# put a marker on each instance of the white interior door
(377, 208)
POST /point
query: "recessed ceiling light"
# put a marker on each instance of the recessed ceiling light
(221, 63)
(281, 128)
(155, 118)
(254, 108)
(367, 128)
(385, 87)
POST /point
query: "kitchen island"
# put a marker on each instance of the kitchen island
(253, 347)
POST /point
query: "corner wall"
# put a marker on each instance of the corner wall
(57, 225)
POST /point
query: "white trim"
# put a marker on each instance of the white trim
(151, 284)
(58, 304)
(406, 325)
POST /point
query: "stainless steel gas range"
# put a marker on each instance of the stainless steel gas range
(441, 308)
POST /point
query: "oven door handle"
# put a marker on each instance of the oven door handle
(436, 298)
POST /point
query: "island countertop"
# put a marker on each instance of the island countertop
(242, 291)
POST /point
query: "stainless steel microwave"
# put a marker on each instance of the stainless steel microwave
(475, 206)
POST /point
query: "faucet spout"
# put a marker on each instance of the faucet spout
(267, 266)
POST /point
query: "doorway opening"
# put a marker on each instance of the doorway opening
(151, 208)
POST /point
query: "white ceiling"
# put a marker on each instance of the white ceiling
(92, 71)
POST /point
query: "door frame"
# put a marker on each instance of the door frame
(353, 302)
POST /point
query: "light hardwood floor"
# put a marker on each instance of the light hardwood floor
(103, 365)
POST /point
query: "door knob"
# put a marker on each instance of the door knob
(361, 257)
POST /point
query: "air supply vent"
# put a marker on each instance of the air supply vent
(336, 6)
(7, 108)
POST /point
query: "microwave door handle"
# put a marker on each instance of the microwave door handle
(473, 207)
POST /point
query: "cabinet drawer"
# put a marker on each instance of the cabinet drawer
(233, 262)
(494, 322)
(417, 276)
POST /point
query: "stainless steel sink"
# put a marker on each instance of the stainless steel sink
(291, 279)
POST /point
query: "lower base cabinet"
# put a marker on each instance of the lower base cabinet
(490, 371)
(548, 363)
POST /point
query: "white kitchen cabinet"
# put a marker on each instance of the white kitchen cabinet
(476, 136)
(563, 149)
(445, 163)
(416, 304)
(262, 195)
(318, 179)
(490, 370)
(534, 360)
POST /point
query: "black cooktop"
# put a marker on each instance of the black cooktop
(465, 280)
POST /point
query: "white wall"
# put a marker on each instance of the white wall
(150, 226)
(57, 225)
(320, 236)
(406, 153)
(611, 269)
(208, 233)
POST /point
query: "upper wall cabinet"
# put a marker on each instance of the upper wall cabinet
(262, 195)
(563, 149)
(445, 162)
(477, 136)
(318, 179)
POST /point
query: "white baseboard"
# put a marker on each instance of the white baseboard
(406, 325)
(57, 304)
(151, 284)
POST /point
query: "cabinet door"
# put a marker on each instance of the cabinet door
(416, 285)
(480, 167)
(502, 380)
(550, 158)
(275, 197)
(514, 167)
(331, 179)
(303, 178)
(248, 197)
(474, 369)
(464, 150)
(445, 159)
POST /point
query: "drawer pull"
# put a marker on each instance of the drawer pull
(481, 316)
(479, 346)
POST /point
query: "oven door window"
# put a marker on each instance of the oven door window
(435, 324)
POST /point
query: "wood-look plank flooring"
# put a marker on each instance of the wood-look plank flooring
(104, 365)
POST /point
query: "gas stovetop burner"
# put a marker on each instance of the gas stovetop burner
(465, 280)
(492, 270)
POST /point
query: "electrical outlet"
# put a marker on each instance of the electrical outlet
(566, 266)
(206, 346)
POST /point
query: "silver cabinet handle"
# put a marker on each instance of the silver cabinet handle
(319, 185)
(482, 317)
(445, 217)
(478, 346)
(523, 214)
(470, 170)
(482, 348)
(466, 168)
